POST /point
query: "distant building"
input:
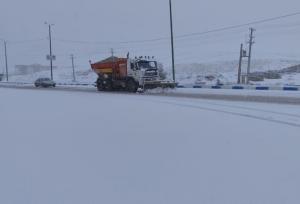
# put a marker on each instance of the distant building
(30, 69)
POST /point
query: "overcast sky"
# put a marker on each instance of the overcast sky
(131, 20)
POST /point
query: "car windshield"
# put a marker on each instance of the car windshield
(147, 64)
(45, 79)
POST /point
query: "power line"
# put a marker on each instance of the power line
(240, 25)
(162, 38)
(181, 44)
(26, 41)
(188, 34)
(209, 39)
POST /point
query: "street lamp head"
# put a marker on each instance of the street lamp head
(46, 23)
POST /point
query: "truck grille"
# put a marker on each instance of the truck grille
(151, 73)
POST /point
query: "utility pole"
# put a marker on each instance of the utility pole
(172, 40)
(251, 42)
(113, 60)
(240, 64)
(6, 63)
(112, 52)
(51, 57)
(73, 67)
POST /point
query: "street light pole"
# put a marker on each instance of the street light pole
(50, 57)
(5, 54)
(240, 64)
(172, 40)
(73, 67)
(6, 63)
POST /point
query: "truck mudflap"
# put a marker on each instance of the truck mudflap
(159, 84)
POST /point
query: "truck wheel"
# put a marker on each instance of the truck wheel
(108, 86)
(131, 86)
(99, 87)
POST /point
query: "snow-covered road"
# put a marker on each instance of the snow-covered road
(265, 96)
(67, 147)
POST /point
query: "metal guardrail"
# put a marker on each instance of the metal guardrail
(75, 84)
(16, 83)
(59, 84)
(250, 87)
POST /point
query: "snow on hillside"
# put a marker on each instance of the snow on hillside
(226, 71)
(59, 75)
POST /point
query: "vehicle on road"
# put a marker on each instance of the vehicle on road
(125, 74)
(44, 82)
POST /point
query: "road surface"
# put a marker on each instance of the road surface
(82, 147)
(279, 97)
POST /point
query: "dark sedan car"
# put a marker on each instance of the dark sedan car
(44, 82)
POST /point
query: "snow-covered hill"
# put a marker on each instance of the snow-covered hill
(59, 75)
(226, 71)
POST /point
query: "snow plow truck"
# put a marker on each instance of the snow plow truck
(130, 75)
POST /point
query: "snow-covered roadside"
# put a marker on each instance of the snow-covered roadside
(226, 72)
(62, 147)
(243, 92)
(62, 75)
(208, 73)
(245, 95)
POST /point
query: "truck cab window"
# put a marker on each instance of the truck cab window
(132, 66)
(143, 64)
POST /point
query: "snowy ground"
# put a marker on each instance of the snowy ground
(59, 75)
(76, 147)
(242, 92)
(226, 72)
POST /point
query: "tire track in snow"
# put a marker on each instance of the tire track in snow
(254, 109)
(216, 97)
(269, 118)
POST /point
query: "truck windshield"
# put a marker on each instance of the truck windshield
(147, 64)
